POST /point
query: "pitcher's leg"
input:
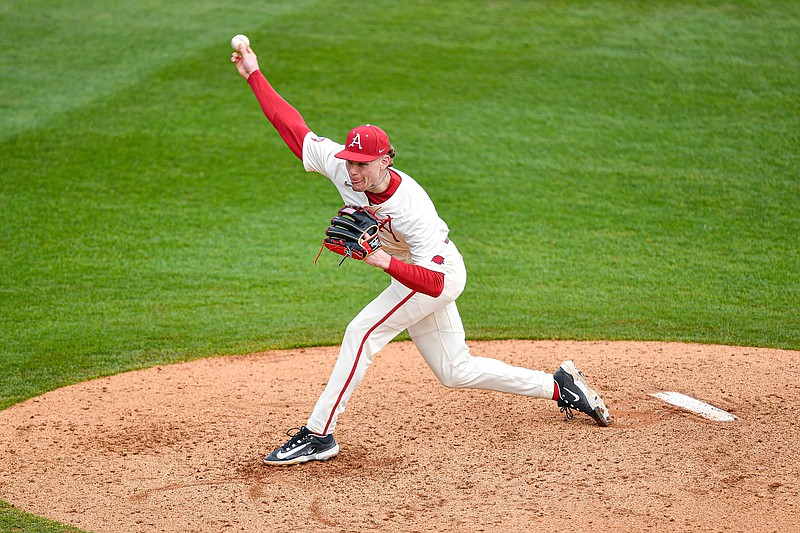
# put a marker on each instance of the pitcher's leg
(374, 327)
(440, 339)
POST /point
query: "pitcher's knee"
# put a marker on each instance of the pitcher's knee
(449, 381)
(454, 377)
(356, 330)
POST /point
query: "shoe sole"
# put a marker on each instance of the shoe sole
(600, 412)
(322, 456)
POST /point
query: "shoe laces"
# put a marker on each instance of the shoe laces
(297, 435)
(567, 412)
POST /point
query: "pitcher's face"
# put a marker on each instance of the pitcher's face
(369, 176)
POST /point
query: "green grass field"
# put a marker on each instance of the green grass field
(610, 170)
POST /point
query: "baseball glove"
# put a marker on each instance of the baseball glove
(353, 233)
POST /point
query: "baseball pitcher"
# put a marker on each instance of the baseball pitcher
(389, 222)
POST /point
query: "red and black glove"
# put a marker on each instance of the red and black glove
(353, 233)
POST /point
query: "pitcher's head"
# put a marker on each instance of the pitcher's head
(368, 155)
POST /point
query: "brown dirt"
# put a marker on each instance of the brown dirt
(178, 448)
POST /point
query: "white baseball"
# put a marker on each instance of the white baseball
(238, 41)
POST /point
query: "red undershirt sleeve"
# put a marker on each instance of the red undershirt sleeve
(417, 278)
(286, 119)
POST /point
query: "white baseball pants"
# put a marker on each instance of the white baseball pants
(436, 329)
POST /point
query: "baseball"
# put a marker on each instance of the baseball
(238, 41)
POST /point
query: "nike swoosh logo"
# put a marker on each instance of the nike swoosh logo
(348, 184)
(381, 151)
(577, 398)
(293, 451)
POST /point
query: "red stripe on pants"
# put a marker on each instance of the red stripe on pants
(358, 357)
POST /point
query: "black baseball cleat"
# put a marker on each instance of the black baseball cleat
(303, 446)
(576, 394)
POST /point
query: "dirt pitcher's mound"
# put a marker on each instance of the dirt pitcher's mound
(179, 448)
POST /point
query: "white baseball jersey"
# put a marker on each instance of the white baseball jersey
(413, 232)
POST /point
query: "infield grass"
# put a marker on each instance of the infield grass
(610, 170)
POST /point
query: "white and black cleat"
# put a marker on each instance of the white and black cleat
(575, 393)
(303, 446)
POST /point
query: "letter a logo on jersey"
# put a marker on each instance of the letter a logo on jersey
(356, 141)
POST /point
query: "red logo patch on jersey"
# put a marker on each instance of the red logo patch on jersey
(438, 259)
(385, 224)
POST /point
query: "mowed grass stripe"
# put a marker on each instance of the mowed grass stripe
(63, 56)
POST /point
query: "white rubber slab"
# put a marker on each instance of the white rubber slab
(696, 406)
